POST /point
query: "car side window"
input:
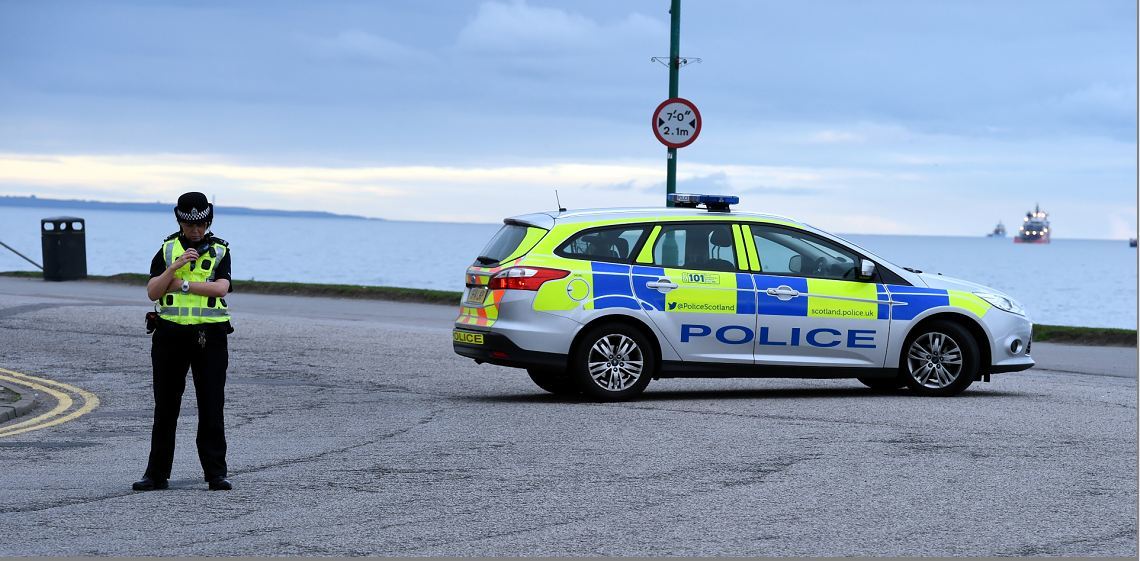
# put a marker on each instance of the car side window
(790, 252)
(708, 247)
(602, 244)
(774, 258)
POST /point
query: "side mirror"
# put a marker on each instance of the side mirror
(794, 264)
(866, 269)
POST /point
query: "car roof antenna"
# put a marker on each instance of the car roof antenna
(559, 202)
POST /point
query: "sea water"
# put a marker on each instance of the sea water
(1067, 282)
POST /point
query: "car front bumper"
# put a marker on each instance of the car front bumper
(1010, 343)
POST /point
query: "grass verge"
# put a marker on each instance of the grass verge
(1104, 336)
(397, 294)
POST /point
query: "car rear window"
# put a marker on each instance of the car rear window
(510, 242)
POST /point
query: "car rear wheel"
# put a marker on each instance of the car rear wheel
(940, 359)
(553, 381)
(613, 362)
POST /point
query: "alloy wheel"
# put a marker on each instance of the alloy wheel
(934, 360)
(615, 362)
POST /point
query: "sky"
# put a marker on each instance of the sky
(882, 117)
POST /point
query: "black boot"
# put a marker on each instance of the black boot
(148, 484)
(220, 484)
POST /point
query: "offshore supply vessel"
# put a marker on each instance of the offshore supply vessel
(1035, 227)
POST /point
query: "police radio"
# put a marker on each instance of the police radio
(203, 249)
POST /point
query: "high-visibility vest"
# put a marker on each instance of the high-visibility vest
(193, 309)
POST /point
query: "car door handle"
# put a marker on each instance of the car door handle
(783, 293)
(662, 285)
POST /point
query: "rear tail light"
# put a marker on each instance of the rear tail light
(524, 278)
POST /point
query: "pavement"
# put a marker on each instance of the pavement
(355, 430)
(20, 401)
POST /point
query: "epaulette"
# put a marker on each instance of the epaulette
(171, 237)
(219, 241)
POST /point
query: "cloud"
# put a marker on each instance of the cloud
(715, 183)
(921, 159)
(363, 46)
(744, 180)
(517, 27)
(853, 222)
(782, 191)
(1102, 98)
(1123, 224)
(419, 191)
(623, 186)
(836, 137)
(422, 191)
(147, 177)
(842, 199)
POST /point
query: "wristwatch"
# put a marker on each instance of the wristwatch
(185, 287)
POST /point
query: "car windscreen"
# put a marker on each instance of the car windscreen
(511, 241)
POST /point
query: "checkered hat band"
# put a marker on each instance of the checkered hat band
(194, 215)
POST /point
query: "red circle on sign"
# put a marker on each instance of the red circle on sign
(696, 129)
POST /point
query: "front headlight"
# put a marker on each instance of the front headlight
(1002, 302)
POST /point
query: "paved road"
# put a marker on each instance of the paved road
(354, 429)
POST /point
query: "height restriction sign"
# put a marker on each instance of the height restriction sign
(676, 122)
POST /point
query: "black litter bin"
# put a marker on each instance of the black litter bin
(65, 248)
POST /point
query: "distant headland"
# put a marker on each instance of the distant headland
(34, 201)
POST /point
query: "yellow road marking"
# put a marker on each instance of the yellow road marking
(63, 402)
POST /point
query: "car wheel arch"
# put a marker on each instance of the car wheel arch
(971, 325)
(631, 321)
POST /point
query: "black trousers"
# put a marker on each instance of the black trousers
(175, 348)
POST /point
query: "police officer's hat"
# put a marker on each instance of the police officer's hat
(194, 207)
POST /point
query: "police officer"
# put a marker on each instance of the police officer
(190, 277)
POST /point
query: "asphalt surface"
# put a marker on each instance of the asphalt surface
(355, 430)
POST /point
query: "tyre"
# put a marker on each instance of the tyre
(613, 362)
(884, 384)
(940, 359)
(553, 381)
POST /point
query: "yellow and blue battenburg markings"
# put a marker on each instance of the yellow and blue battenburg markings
(745, 293)
(717, 292)
(910, 301)
(773, 307)
(823, 298)
(650, 298)
(839, 299)
(611, 286)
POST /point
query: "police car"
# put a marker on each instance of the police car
(603, 301)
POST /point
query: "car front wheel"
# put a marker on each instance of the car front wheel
(613, 362)
(941, 359)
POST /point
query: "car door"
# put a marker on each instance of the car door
(812, 307)
(605, 281)
(693, 283)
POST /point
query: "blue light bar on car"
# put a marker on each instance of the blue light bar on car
(714, 203)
